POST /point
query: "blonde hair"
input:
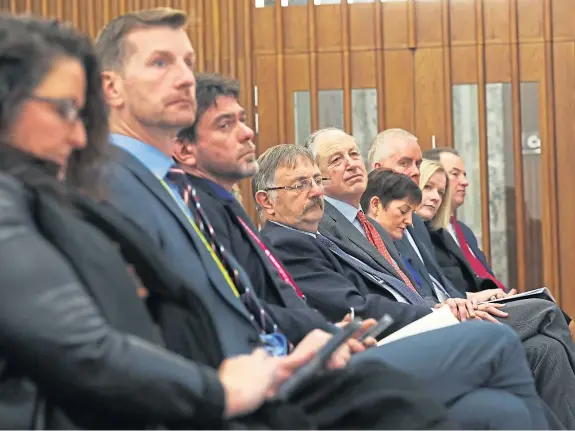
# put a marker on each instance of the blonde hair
(380, 148)
(427, 170)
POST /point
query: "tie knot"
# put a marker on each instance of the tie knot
(175, 173)
(361, 216)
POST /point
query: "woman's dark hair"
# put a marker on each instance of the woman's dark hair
(389, 186)
(28, 47)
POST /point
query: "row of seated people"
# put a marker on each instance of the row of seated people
(138, 293)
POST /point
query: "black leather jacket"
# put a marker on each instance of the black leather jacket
(55, 334)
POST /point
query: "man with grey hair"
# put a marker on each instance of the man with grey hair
(289, 190)
(398, 150)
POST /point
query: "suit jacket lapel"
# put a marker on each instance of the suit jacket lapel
(348, 231)
(159, 191)
(454, 248)
(234, 212)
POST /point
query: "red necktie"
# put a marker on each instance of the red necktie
(475, 263)
(374, 238)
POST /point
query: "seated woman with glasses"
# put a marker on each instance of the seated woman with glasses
(77, 347)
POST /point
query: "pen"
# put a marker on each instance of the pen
(352, 313)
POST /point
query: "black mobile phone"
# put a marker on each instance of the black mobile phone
(385, 322)
(317, 363)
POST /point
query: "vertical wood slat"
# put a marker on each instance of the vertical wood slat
(279, 33)
(200, 45)
(248, 96)
(379, 66)
(75, 13)
(313, 68)
(215, 36)
(44, 8)
(517, 150)
(13, 6)
(482, 110)
(28, 6)
(447, 81)
(346, 67)
(412, 37)
(232, 39)
(551, 267)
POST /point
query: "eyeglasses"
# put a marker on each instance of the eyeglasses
(303, 184)
(66, 108)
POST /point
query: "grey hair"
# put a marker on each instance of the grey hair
(380, 145)
(435, 153)
(280, 156)
(311, 139)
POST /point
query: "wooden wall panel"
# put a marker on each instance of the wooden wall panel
(463, 22)
(296, 29)
(428, 24)
(563, 18)
(530, 15)
(328, 22)
(464, 64)
(330, 73)
(362, 27)
(266, 80)
(363, 69)
(396, 25)
(564, 78)
(429, 95)
(263, 30)
(497, 21)
(399, 90)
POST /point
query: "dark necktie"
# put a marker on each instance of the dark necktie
(191, 199)
(475, 263)
(410, 295)
(375, 239)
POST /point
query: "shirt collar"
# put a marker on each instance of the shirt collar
(152, 158)
(293, 228)
(348, 211)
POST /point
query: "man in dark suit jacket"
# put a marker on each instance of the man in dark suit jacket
(539, 323)
(218, 152)
(147, 110)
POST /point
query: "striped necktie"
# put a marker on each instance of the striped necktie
(191, 199)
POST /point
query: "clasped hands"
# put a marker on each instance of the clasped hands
(474, 308)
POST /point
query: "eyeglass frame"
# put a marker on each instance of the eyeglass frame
(297, 188)
(65, 108)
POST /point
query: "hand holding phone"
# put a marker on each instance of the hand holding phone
(385, 322)
(318, 362)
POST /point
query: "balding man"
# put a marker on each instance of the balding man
(293, 216)
(398, 150)
(539, 323)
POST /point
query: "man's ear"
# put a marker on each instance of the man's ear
(185, 152)
(264, 201)
(113, 89)
(376, 165)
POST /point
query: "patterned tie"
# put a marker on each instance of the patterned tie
(475, 263)
(411, 296)
(374, 238)
(272, 259)
(191, 199)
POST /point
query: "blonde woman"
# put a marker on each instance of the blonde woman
(435, 208)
